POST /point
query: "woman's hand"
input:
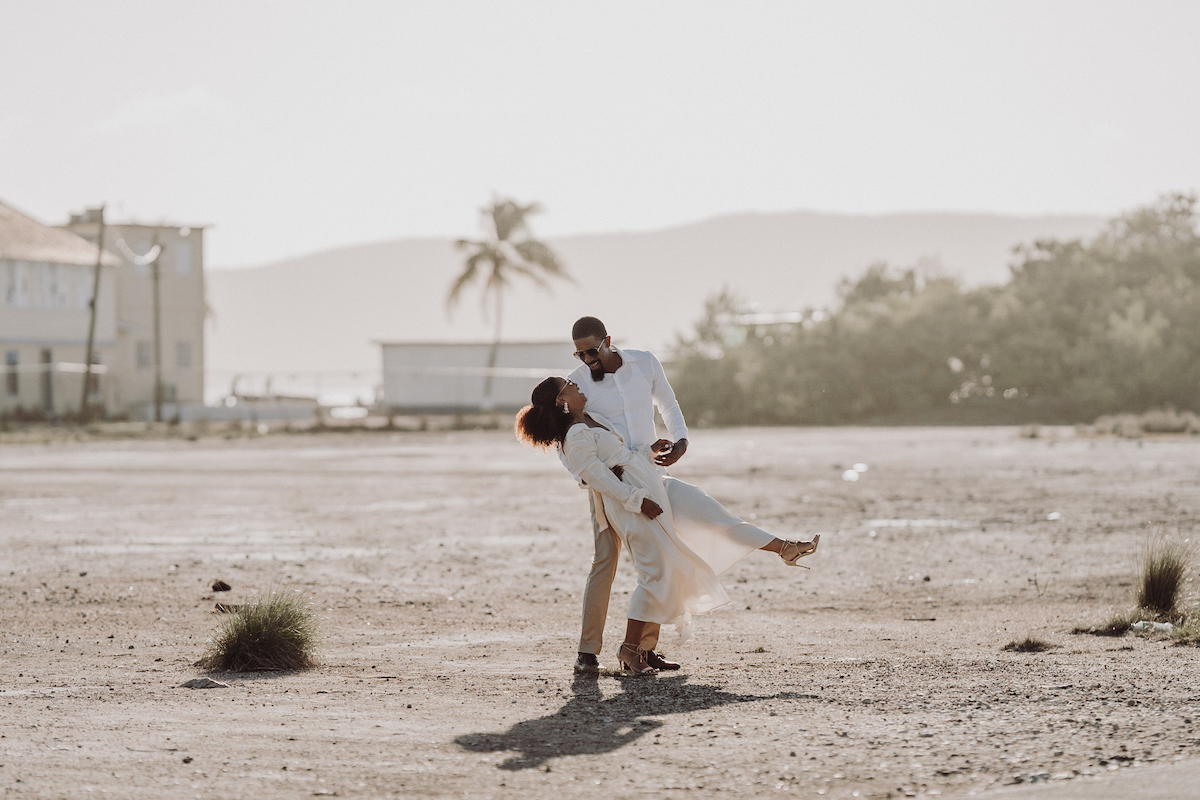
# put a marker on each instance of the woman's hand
(650, 508)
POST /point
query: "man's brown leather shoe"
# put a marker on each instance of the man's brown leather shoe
(658, 662)
(586, 664)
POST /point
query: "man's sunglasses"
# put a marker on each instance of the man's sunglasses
(591, 352)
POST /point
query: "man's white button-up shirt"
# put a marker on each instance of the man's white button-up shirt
(627, 398)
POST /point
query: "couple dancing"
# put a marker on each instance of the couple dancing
(601, 421)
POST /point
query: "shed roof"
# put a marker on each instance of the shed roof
(23, 238)
(504, 344)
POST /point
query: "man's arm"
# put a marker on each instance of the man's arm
(668, 407)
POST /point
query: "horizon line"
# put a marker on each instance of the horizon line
(675, 226)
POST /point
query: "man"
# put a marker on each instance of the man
(624, 387)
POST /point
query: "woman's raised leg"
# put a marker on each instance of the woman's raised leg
(791, 552)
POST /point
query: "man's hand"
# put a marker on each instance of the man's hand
(650, 508)
(669, 453)
(619, 471)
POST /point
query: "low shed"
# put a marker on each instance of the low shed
(442, 378)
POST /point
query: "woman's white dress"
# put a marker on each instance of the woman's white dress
(677, 569)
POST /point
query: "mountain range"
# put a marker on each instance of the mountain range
(324, 311)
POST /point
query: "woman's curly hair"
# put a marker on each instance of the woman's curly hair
(543, 423)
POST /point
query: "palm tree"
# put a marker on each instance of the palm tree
(507, 251)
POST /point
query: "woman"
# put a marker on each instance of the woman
(674, 580)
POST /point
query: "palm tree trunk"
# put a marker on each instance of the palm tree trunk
(488, 403)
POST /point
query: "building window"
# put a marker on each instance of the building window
(17, 294)
(48, 379)
(59, 285)
(50, 289)
(12, 383)
(183, 258)
(145, 355)
(183, 354)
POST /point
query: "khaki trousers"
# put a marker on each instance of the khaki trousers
(598, 589)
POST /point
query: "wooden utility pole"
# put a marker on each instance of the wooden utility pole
(158, 384)
(91, 337)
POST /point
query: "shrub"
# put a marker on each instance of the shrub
(1166, 421)
(1164, 563)
(1116, 625)
(1029, 644)
(276, 631)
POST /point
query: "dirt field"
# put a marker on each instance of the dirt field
(447, 570)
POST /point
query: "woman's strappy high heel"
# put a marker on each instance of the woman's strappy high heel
(792, 552)
(632, 659)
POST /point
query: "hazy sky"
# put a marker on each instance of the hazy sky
(298, 126)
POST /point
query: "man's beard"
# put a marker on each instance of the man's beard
(597, 372)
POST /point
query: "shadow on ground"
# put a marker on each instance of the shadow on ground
(589, 724)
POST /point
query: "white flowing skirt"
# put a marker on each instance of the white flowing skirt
(679, 554)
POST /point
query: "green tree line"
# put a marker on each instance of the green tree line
(1079, 330)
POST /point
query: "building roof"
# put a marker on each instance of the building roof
(23, 238)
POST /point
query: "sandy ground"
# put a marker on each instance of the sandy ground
(447, 571)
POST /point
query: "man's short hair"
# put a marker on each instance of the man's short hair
(588, 326)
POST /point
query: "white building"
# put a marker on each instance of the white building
(46, 281)
(182, 311)
(432, 378)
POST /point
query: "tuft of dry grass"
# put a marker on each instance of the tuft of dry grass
(1029, 644)
(1116, 625)
(276, 631)
(1163, 565)
(1187, 633)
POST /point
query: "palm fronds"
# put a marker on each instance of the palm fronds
(509, 250)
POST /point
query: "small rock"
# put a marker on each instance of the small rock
(203, 683)
(220, 586)
(187, 759)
